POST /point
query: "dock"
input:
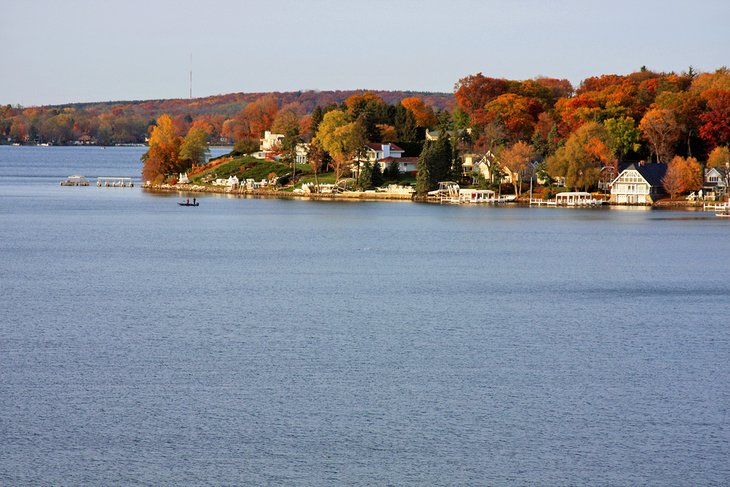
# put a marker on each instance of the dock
(114, 182)
(716, 207)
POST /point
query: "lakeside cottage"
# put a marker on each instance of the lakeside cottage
(638, 184)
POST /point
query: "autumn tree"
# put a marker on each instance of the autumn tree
(341, 138)
(475, 91)
(256, 117)
(682, 175)
(517, 159)
(162, 157)
(660, 128)
(388, 133)
(687, 108)
(719, 158)
(715, 128)
(315, 157)
(370, 110)
(423, 114)
(517, 114)
(194, 149)
(285, 121)
(580, 160)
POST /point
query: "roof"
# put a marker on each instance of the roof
(379, 147)
(720, 170)
(652, 173)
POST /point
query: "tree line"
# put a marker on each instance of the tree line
(542, 125)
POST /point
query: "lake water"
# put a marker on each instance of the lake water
(277, 342)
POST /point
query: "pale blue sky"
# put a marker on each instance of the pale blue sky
(65, 51)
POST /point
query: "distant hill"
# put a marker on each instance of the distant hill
(116, 122)
(230, 104)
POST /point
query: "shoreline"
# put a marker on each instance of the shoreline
(346, 195)
(371, 196)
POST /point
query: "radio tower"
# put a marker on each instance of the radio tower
(191, 75)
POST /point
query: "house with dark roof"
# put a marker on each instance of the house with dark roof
(716, 182)
(638, 184)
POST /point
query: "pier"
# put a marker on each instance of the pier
(107, 182)
(716, 207)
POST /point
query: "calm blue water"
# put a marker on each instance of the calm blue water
(274, 342)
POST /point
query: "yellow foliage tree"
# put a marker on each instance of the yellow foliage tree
(340, 137)
(582, 157)
(719, 157)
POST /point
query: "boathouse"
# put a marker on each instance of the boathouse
(638, 184)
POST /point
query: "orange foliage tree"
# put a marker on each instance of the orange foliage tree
(518, 115)
(162, 157)
(475, 91)
(682, 175)
(517, 159)
(423, 114)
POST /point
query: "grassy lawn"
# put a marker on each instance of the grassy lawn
(247, 167)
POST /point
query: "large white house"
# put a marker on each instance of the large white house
(638, 184)
(386, 154)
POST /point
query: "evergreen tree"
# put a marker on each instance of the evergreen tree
(423, 176)
(376, 176)
(317, 116)
(440, 160)
(405, 124)
(365, 180)
(392, 172)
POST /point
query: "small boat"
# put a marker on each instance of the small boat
(75, 181)
(197, 203)
(724, 214)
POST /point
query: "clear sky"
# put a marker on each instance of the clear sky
(63, 51)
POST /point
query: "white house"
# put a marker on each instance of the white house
(638, 184)
(405, 164)
(386, 154)
(271, 142)
(375, 152)
(484, 165)
(302, 153)
(716, 182)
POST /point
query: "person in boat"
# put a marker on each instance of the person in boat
(187, 201)
(193, 201)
